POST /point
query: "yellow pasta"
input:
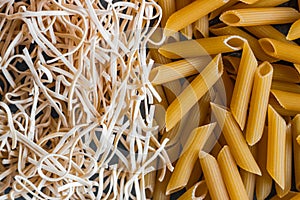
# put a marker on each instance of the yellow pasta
(178, 69)
(243, 85)
(218, 11)
(202, 47)
(197, 191)
(190, 14)
(228, 84)
(287, 100)
(285, 73)
(196, 174)
(201, 27)
(265, 31)
(249, 1)
(160, 188)
(260, 3)
(231, 64)
(213, 177)
(264, 182)
(231, 176)
(259, 103)
(190, 96)
(222, 29)
(278, 49)
(235, 140)
(282, 111)
(260, 16)
(288, 164)
(168, 8)
(276, 147)
(294, 31)
(185, 164)
(296, 150)
(285, 86)
(289, 196)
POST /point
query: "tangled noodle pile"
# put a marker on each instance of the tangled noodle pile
(74, 82)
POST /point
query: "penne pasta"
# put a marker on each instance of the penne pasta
(285, 73)
(260, 4)
(201, 27)
(182, 3)
(231, 64)
(249, 178)
(287, 100)
(160, 188)
(222, 29)
(195, 177)
(276, 147)
(264, 182)
(235, 140)
(260, 16)
(296, 150)
(249, 1)
(228, 84)
(218, 11)
(213, 177)
(150, 184)
(289, 196)
(202, 47)
(265, 31)
(196, 192)
(190, 14)
(168, 8)
(186, 162)
(278, 49)
(243, 85)
(190, 96)
(178, 69)
(285, 86)
(282, 111)
(231, 176)
(172, 90)
(294, 31)
(288, 164)
(259, 103)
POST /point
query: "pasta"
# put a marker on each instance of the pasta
(213, 177)
(294, 31)
(222, 29)
(288, 164)
(277, 49)
(259, 16)
(285, 86)
(264, 182)
(276, 147)
(231, 176)
(282, 111)
(202, 47)
(201, 27)
(259, 103)
(168, 7)
(235, 140)
(188, 158)
(287, 100)
(196, 175)
(296, 149)
(178, 69)
(190, 96)
(242, 89)
(285, 73)
(190, 14)
(231, 64)
(260, 3)
(197, 191)
(289, 196)
(218, 11)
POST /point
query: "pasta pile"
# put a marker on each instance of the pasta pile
(229, 83)
(76, 110)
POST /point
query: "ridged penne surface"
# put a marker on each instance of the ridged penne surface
(294, 32)
(287, 100)
(197, 191)
(296, 150)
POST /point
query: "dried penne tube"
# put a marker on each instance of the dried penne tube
(259, 103)
(150, 184)
(296, 150)
(191, 95)
(168, 8)
(190, 14)
(231, 64)
(202, 47)
(243, 85)
(178, 69)
(278, 49)
(235, 139)
(282, 111)
(285, 73)
(259, 4)
(288, 164)
(228, 84)
(285, 86)
(290, 196)
(249, 178)
(213, 177)
(222, 29)
(218, 11)
(276, 147)
(294, 31)
(265, 31)
(287, 100)
(189, 156)
(249, 1)
(264, 182)
(196, 192)
(160, 188)
(196, 175)
(231, 176)
(201, 27)
(260, 16)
